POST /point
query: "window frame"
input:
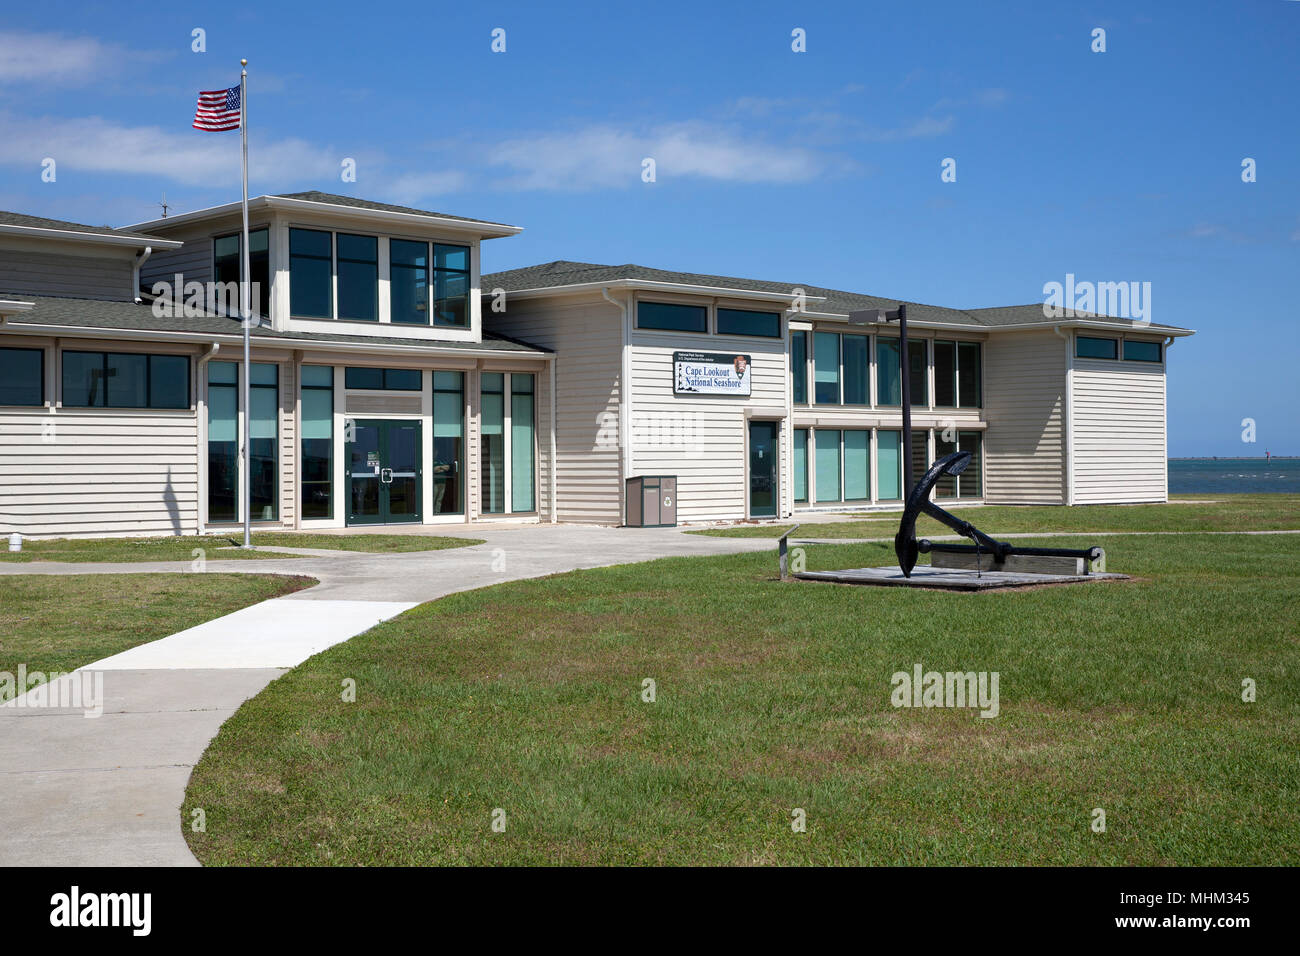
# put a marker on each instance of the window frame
(1159, 347)
(40, 352)
(1079, 339)
(717, 323)
(333, 276)
(148, 380)
(676, 305)
(799, 374)
(383, 378)
(337, 276)
(303, 386)
(435, 271)
(260, 309)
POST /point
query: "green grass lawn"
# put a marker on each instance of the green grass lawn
(1228, 513)
(62, 622)
(223, 547)
(527, 697)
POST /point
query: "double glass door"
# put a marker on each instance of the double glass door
(383, 471)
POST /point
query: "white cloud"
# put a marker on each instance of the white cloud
(54, 58)
(96, 145)
(606, 156)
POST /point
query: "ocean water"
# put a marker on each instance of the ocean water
(1227, 476)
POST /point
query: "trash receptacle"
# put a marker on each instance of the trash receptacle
(652, 501)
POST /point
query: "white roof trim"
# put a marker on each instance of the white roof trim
(42, 232)
(655, 285)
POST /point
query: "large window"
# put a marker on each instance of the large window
(450, 285)
(492, 477)
(226, 265)
(22, 377)
(1088, 347)
(523, 459)
(745, 322)
(857, 465)
(826, 368)
(674, 318)
(957, 375)
(856, 356)
(408, 281)
(799, 367)
(317, 441)
(385, 379)
(264, 434)
(918, 372)
(1135, 351)
(827, 464)
(968, 483)
(801, 464)
(121, 380)
(311, 274)
(889, 382)
(358, 277)
(889, 465)
(448, 442)
(223, 441)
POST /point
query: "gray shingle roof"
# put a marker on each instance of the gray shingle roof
(334, 199)
(39, 222)
(132, 316)
(553, 275)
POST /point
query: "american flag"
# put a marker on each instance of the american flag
(218, 110)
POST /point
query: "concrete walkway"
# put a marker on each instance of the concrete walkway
(107, 791)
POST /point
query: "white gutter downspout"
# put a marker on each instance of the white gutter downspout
(200, 505)
(1069, 415)
(624, 406)
(135, 272)
(555, 516)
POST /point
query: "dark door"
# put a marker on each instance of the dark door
(383, 471)
(762, 469)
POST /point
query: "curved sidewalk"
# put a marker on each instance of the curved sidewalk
(108, 790)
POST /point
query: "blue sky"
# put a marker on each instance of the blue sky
(819, 167)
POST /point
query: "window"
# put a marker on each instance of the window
(889, 381)
(1141, 351)
(226, 265)
(408, 281)
(827, 464)
(957, 375)
(856, 354)
(673, 318)
(857, 465)
(968, 483)
(22, 377)
(311, 273)
(889, 465)
(917, 372)
(317, 441)
(522, 458)
(801, 464)
(450, 285)
(799, 367)
(263, 434)
(223, 441)
(920, 457)
(387, 379)
(120, 380)
(1087, 347)
(492, 477)
(826, 368)
(745, 322)
(448, 442)
(358, 277)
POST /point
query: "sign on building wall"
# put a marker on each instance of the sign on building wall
(710, 373)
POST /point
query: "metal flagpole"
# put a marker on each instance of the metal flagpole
(245, 312)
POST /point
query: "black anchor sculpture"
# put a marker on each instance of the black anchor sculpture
(918, 501)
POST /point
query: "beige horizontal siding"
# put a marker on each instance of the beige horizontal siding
(84, 277)
(1024, 405)
(587, 338)
(111, 471)
(1119, 432)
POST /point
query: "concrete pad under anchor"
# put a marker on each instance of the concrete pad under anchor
(950, 579)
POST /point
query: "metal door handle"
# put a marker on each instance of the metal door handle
(386, 475)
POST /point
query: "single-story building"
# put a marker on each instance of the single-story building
(393, 382)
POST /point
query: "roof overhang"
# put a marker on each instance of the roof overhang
(14, 307)
(108, 239)
(482, 229)
(270, 341)
(652, 285)
(1083, 323)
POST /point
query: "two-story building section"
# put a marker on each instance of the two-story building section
(392, 383)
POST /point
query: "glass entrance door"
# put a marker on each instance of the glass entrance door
(383, 471)
(762, 469)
